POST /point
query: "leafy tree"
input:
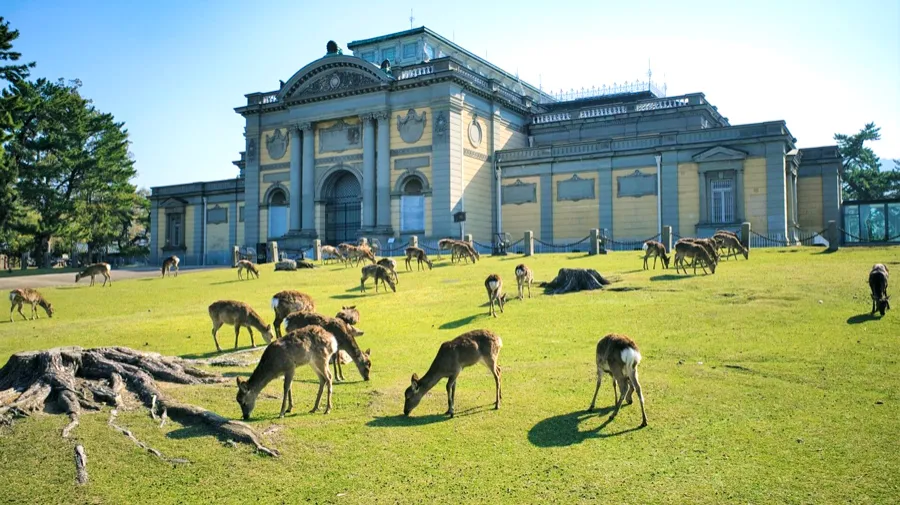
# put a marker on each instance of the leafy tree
(862, 176)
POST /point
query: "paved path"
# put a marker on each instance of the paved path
(66, 279)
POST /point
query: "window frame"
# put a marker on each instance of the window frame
(411, 46)
(393, 52)
(722, 194)
(175, 230)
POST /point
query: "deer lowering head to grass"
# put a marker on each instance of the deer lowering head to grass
(697, 252)
(391, 265)
(464, 250)
(524, 277)
(311, 346)
(878, 283)
(494, 286)
(331, 253)
(348, 314)
(288, 301)
(420, 257)
(619, 356)
(19, 297)
(356, 254)
(379, 273)
(446, 244)
(249, 267)
(731, 243)
(344, 333)
(94, 270)
(169, 264)
(238, 314)
(655, 249)
(452, 357)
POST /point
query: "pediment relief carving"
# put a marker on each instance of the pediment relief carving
(333, 74)
(720, 153)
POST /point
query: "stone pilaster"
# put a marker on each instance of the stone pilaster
(295, 223)
(383, 173)
(368, 182)
(307, 169)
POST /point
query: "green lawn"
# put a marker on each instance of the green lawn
(765, 383)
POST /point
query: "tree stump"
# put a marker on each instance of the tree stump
(291, 265)
(575, 279)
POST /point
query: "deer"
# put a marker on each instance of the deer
(311, 346)
(452, 357)
(19, 297)
(238, 314)
(494, 286)
(331, 253)
(249, 267)
(709, 245)
(169, 264)
(695, 251)
(524, 277)
(344, 333)
(731, 243)
(446, 244)
(464, 250)
(655, 249)
(878, 283)
(348, 314)
(96, 269)
(288, 301)
(379, 273)
(391, 265)
(619, 356)
(420, 257)
(358, 253)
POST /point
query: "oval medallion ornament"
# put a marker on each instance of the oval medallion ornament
(335, 81)
(475, 133)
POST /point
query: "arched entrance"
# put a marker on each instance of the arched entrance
(343, 208)
(278, 213)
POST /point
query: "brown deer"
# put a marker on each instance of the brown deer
(359, 253)
(170, 263)
(311, 346)
(238, 314)
(379, 273)
(446, 244)
(348, 314)
(494, 286)
(249, 267)
(619, 356)
(96, 269)
(464, 250)
(878, 283)
(710, 245)
(391, 265)
(420, 257)
(452, 357)
(288, 301)
(731, 244)
(694, 251)
(19, 297)
(524, 277)
(655, 249)
(331, 253)
(343, 332)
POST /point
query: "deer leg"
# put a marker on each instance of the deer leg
(596, 390)
(329, 383)
(12, 307)
(237, 331)
(321, 388)
(25, 318)
(491, 363)
(451, 394)
(619, 400)
(252, 340)
(288, 379)
(216, 326)
(637, 388)
(654, 261)
(34, 314)
(277, 324)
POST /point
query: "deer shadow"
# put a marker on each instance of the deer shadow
(563, 430)
(862, 318)
(229, 282)
(672, 277)
(400, 420)
(452, 325)
(349, 296)
(212, 354)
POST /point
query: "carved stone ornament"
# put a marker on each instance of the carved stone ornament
(277, 144)
(440, 124)
(412, 126)
(518, 193)
(251, 149)
(338, 81)
(636, 184)
(475, 132)
(575, 189)
(339, 137)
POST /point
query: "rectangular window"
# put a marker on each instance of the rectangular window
(412, 213)
(241, 213)
(173, 230)
(369, 56)
(387, 54)
(409, 51)
(721, 204)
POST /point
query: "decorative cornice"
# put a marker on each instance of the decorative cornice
(331, 160)
(477, 155)
(410, 150)
(274, 166)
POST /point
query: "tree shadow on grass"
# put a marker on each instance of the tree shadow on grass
(862, 318)
(452, 325)
(563, 431)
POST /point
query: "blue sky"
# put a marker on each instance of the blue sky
(174, 70)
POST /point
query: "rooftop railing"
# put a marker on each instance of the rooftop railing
(612, 110)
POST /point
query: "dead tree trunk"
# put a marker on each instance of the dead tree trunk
(575, 279)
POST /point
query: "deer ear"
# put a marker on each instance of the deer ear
(415, 381)
(368, 352)
(241, 384)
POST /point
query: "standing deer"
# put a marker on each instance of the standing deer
(348, 314)
(331, 253)
(311, 346)
(96, 269)
(169, 264)
(391, 265)
(19, 297)
(287, 301)
(343, 332)
(878, 283)
(249, 267)
(420, 256)
(452, 357)
(619, 356)
(238, 314)
(655, 249)
(524, 277)
(494, 286)
(731, 243)
(379, 273)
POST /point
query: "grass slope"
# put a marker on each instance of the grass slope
(765, 383)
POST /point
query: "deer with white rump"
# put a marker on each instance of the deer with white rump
(619, 356)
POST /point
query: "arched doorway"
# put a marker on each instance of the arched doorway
(343, 208)
(278, 213)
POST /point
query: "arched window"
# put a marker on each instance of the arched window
(278, 214)
(412, 207)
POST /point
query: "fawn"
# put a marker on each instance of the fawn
(19, 297)
(379, 273)
(170, 263)
(454, 355)
(619, 356)
(656, 250)
(344, 333)
(419, 255)
(494, 286)
(524, 277)
(311, 346)
(249, 267)
(878, 283)
(96, 269)
(238, 314)
(288, 301)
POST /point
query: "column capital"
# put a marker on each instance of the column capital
(366, 117)
(302, 126)
(381, 115)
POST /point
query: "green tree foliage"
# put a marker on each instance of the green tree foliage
(862, 176)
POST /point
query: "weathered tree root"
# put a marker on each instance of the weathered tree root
(228, 359)
(142, 445)
(575, 279)
(81, 475)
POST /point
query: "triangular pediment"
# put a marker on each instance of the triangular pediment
(333, 75)
(720, 153)
(169, 203)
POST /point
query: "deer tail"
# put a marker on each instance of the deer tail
(644, 247)
(631, 357)
(274, 303)
(12, 296)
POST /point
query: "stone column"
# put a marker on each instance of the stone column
(383, 171)
(666, 238)
(529, 243)
(368, 182)
(414, 241)
(295, 223)
(595, 242)
(307, 169)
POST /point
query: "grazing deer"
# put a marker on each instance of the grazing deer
(359, 253)
(287, 301)
(379, 273)
(332, 253)
(464, 250)
(96, 269)
(452, 357)
(343, 332)
(710, 245)
(249, 267)
(878, 283)
(655, 249)
(731, 243)
(494, 286)
(311, 346)
(619, 356)
(169, 264)
(19, 297)
(524, 277)
(238, 314)
(348, 314)
(446, 244)
(391, 265)
(420, 256)
(695, 251)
